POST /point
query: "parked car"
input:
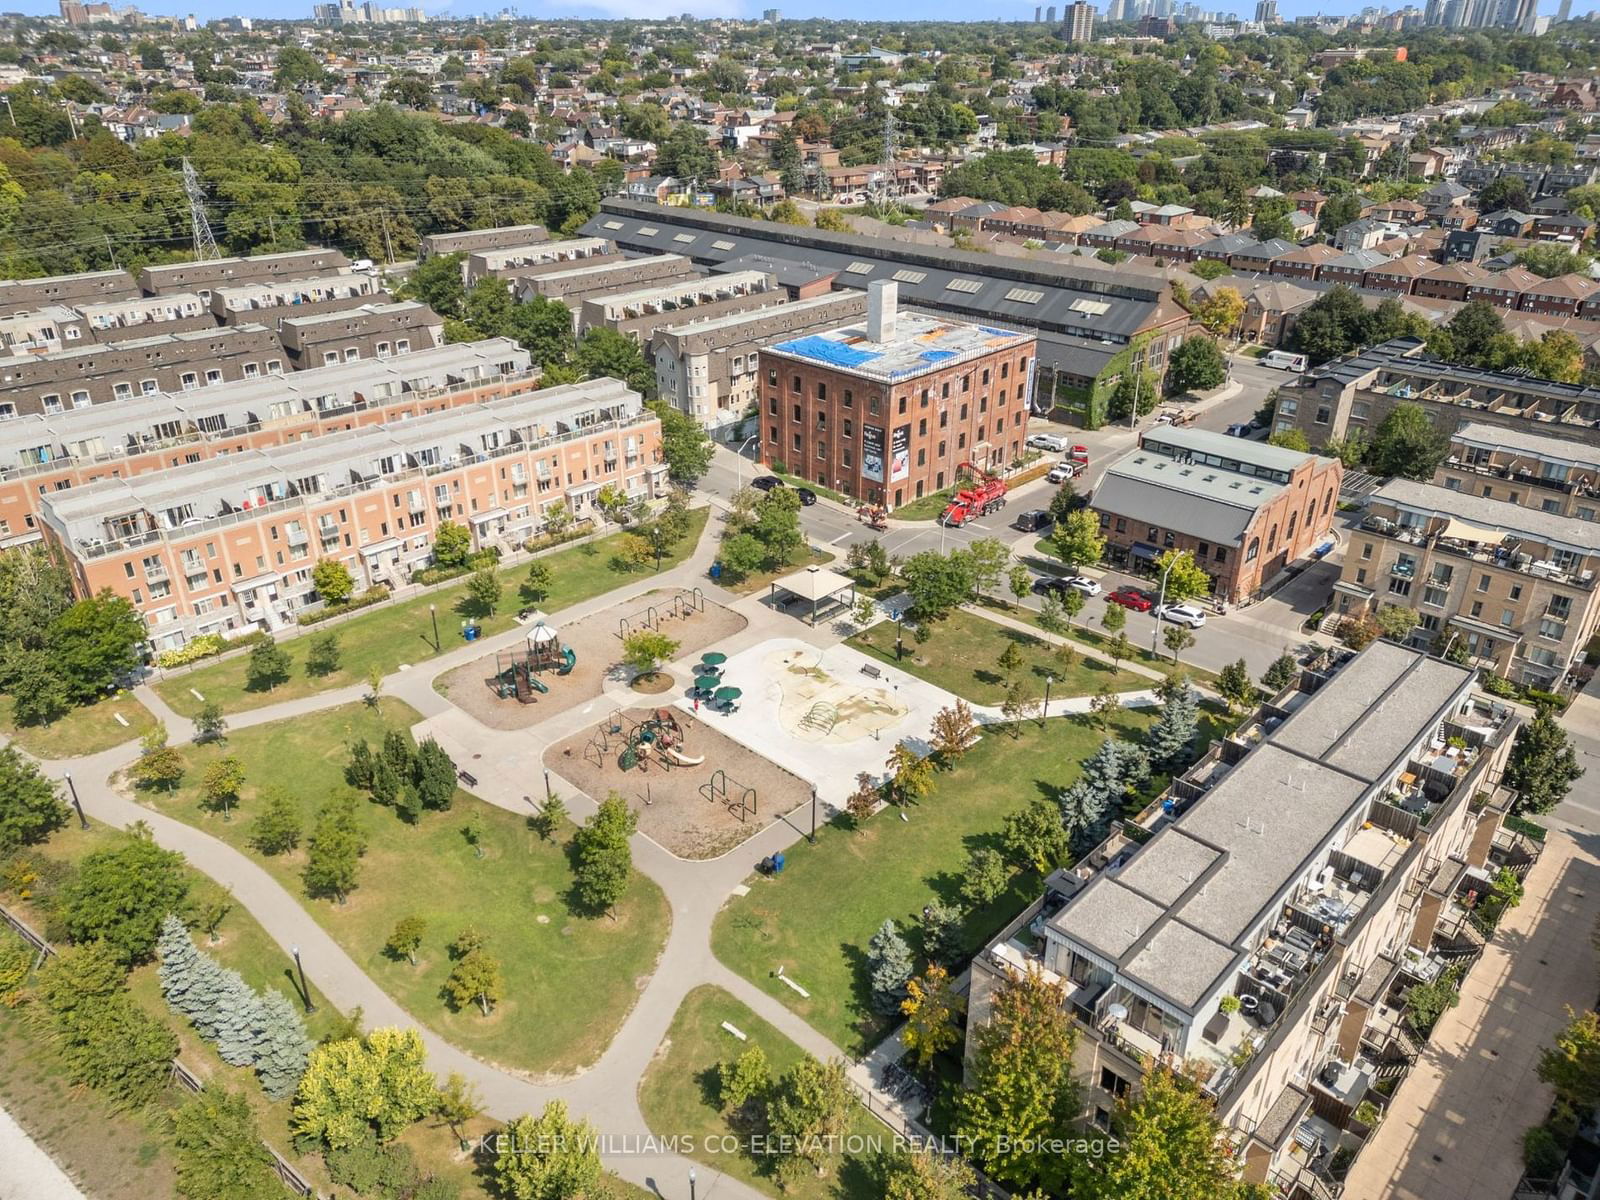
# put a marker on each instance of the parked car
(1082, 583)
(1242, 429)
(1063, 471)
(1052, 442)
(1182, 614)
(1134, 598)
(765, 483)
(1044, 585)
(1034, 520)
(807, 496)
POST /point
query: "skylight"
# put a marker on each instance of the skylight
(970, 286)
(859, 268)
(724, 245)
(1024, 295)
(612, 225)
(684, 237)
(1090, 308)
(910, 276)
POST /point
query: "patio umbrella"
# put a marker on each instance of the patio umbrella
(713, 658)
(727, 694)
(707, 683)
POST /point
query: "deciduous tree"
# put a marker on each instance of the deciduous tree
(910, 774)
(1033, 838)
(1076, 539)
(220, 1155)
(604, 859)
(276, 828)
(31, 808)
(932, 1007)
(1172, 1145)
(267, 666)
(548, 1157)
(379, 1082)
(406, 939)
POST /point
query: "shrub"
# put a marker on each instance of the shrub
(373, 595)
(1542, 1154)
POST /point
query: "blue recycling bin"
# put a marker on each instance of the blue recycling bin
(470, 633)
(716, 570)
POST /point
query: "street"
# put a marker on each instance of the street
(1258, 634)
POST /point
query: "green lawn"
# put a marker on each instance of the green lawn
(926, 508)
(678, 1097)
(758, 582)
(1091, 636)
(516, 895)
(85, 730)
(815, 919)
(818, 488)
(402, 632)
(963, 653)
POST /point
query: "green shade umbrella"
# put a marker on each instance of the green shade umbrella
(727, 693)
(707, 683)
(713, 658)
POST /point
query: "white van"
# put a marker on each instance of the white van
(1284, 361)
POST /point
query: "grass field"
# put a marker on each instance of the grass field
(817, 917)
(678, 1096)
(402, 631)
(516, 895)
(962, 656)
(925, 508)
(1099, 640)
(85, 730)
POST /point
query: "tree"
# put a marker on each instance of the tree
(1136, 392)
(1209, 269)
(39, 692)
(1542, 766)
(987, 558)
(452, 544)
(744, 1083)
(1171, 738)
(1010, 660)
(864, 800)
(221, 783)
(121, 895)
(267, 666)
(379, 1082)
(31, 808)
(686, 448)
(1172, 1145)
(603, 857)
(937, 584)
(209, 723)
(1033, 837)
(605, 352)
(1572, 1065)
(1016, 706)
(1235, 686)
(1178, 638)
(1219, 312)
(1472, 331)
(1105, 703)
(646, 649)
(1285, 669)
(536, 587)
(1330, 325)
(220, 1155)
(954, 732)
(985, 879)
(549, 1157)
(333, 581)
(1114, 619)
(1019, 580)
(1020, 1095)
(1407, 444)
(931, 1007)
(276, 828)
(889, 968)
(433, 774)
(1291, 439)
(406, 939)
(458, 1102)
(484, 589)
(1396, 621)
(333, 852)
(322, 655)
(475, 979)
(552, 811)
(941, 932)
(96, 642)
(1077, 539)
(810, 1109)
(158, 764)
(910, 774)
(1196, 366)
(1185, 579)
(927, 1175)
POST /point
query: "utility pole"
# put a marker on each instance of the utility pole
(205, 245)
(388, 245)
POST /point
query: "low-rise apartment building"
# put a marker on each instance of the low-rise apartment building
(102, 372)
(87, 287)
(889, 409)
(514, 262)
(473, 240)
(227, 544)
(42, 330)
(574, 285)
(1551, 474)
(44, 454)
(1244, 509)
(269, 303)
(1514, 585)
(709, 369)
(1257, 928)
(206, 275)
(639, 313)
(143, 316)
(370, 331)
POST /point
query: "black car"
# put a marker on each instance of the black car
(807, 496)
(1043, 585)
(1033, 520)
(765, 483)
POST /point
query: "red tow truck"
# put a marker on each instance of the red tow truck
(986, 494)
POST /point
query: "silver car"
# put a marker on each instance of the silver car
(1181, 614)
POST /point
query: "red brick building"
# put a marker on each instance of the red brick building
(886, 411)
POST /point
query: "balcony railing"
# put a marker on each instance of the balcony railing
(1498, 556)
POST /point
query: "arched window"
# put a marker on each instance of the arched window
(1254, 549)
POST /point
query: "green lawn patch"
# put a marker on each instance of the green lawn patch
(816, 918)
(925, 508)
(1090, 636)
(818, 488)
(751, 584)
(678, 1097)
(962, 656)
(402, 631)
(570, 979)
(88, 729)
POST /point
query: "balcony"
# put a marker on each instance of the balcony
(1504, 555)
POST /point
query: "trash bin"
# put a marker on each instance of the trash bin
(716, 570)
(470, 633)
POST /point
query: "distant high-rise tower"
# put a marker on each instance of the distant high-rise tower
(1080, 22)
(1266, 12)
(1038, 14)
(1564, 12)
(1050, 15)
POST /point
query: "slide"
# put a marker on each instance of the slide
(536, 683)
(569, 659)
(683, 760)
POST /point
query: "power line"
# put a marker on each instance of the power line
(205, 245)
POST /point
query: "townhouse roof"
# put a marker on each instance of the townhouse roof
(1500, 516)
(1572, 286)
(1356, 260)
(1539, 446)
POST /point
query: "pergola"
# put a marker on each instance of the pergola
(818, 585)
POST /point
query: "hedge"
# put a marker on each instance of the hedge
(373, 595)
(207, 645)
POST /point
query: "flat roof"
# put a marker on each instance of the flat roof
(921, 343)
(1538, 445)
(1502, 516)
(1206, 441)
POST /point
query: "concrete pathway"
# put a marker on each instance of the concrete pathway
(1456, 1127)
(26, 1171)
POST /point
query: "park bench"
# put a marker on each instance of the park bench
(872, 672)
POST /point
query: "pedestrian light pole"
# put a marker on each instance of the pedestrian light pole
(83, 821)
(305, 990)
(1161, 600)
(433, 611)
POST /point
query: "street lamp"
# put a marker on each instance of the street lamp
(691, 1183)
(899, 630)
(1161, 600)
(305, 990)
(738, 466)
(433, 611)
(813, 838)
(1044, 713)
(83, 821)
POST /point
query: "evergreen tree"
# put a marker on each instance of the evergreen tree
(889, 968)
(434, 773)
(1172, 736)
(180, 967)
(1281, 673)
(1116, 770)
(283, 1047)
(941, 932)
(359, 770)
(1083, 813)
(386, 785)
(1543, 765)
(276, 828)
(397, 753)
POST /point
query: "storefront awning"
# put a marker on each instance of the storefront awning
(1144, 550)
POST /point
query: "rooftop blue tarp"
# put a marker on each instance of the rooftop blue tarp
(827, 350)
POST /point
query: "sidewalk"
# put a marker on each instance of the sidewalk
(1455, 1128)
(26, 1171)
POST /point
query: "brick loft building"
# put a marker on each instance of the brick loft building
(887, 411)
(227, 544)
(1244, 509)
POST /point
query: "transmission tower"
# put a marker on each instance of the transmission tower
(882, 189)
(205, 246)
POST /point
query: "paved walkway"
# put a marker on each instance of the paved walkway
(26, 1171)
(1455, 1129)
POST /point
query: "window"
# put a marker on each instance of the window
(1366, 551)
(794, 384)
(1253, 550)
(1322, 414)
(822, 390)
(1483, 583)
(848, 400)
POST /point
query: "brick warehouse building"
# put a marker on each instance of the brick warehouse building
(887, 411)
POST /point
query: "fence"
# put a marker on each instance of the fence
(181, 1075)
(919, 1135)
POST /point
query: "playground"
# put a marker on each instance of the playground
(816, 706)
(696, 791)
(555, 666)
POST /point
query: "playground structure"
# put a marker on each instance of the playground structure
(656, 737)
(738, 799)
(516, 672)
(683, 604)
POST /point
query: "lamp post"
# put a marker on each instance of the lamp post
(83, 821)
(433, 611)
(1044, 713)
(305, 990)
(1161, 599)
(691, 1183)
(899, 631)
(813, 837)
(738, 466)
